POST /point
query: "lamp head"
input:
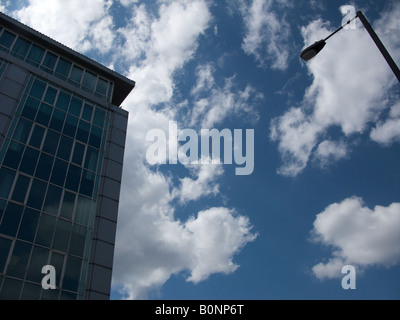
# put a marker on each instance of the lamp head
(312, 50)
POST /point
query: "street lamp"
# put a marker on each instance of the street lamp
(314, 49)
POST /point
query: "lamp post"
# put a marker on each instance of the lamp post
(314, 49)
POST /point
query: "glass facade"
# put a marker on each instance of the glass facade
(55, 65)
(50, 168)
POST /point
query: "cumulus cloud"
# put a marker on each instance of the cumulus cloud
(358, 236)
(388, 131)
(267, 32)
(339, 96)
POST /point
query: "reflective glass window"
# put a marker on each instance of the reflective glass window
(67, 207)
(61, 236)
(87, 183)
(2, 207)
(21, 48)
(29, 161)
(20, 189)
(22, 130)
(99, 117)
(95, 137)
(79, 151)
(5, 246)
(19, 260)
(63, 68)
(70, 126)
(39, 259)
(82, 212)
(30, 109)
(35, 55)
(49, 62)
(76, 74)
(29, 223)
(53, 198)
(75, 107)
(87, 112)
(31, 291)
(51, 142)
(102, 86)
(72, 274)
(50, 96)
(37, 89)
(78, 239)
(45, 230)
(6, 181)
(37, 137)
(11, 219)
(91, 158)
(44, 167)
(73, 178)
(44, 114)
(63, 100)
(37, 194)
(59, 172)
(89, 81)
(11, 289)
(7, 39)
(83, 131)
(65, 148)
(13, 155)
(57, 120)
(57, 261)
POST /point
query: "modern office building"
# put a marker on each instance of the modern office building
(62, 138)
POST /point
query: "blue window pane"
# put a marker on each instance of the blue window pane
(11, 219)
(87, 183)
(102, 86)
(82, 212)
(75, 107)
(22, 130)
(19, 260)
(2, 207)
(31, 291)
(13, 155)
(20, 189)
(67, 207)
(78, 239)
(95, 137)
(72, 274)
(83, 131)
(57, 261)
(89, 81)
(44, 114)
(44, 167)
(87, 112)
(21, 48)
(49, 62)
(59, 173)
(79, 150)
(37, 89)
(50, 96)
(63, 68)
(63, 101)
(57, 120)
(11, 289)
(65, 148)
(76, 74)
(45, 230)
(7, 39)
(5, 246)
(37, 194)
(99, 117)
(70, 126)
(37, 137)
(39, 259)
(61, 235)
(30, 109)
(29, 224)
(53, 198)
(51, 142)
(29, 161)
(6, 181)
(35, 55)
(91, 159)
(73, 178)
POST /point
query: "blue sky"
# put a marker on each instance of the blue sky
(325, 188)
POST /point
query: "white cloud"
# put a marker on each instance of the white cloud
(388, 131)
(358, 236)
(267, 33)
(330, 151)
(339, 96)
